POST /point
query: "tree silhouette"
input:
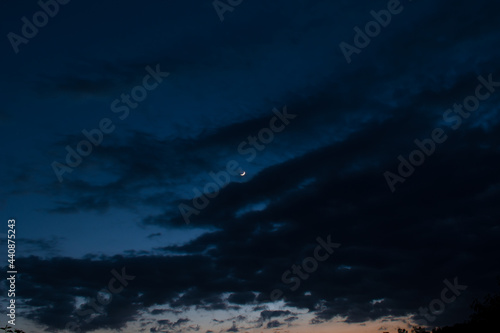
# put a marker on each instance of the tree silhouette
(8, 329)
(483, 319)
(415, 329)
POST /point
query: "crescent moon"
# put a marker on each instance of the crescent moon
(243, 173)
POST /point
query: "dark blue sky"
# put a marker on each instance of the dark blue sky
(339, 164)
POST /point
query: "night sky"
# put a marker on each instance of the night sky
(249, 166)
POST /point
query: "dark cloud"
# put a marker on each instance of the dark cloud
(267, 315)
(51, 247)
(92, 78)
(274, 324)
(242, 298)
(156, 234)
(350, 201)
(159, 311)
(323, 175)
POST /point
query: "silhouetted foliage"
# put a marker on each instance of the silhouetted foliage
(415, 329)
(8, 329)
(483, 319)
